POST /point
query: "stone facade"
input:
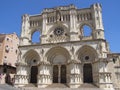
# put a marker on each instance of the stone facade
(65, 54)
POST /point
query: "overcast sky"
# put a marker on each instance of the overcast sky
(12, 10)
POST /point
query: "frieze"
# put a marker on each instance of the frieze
(45, 46)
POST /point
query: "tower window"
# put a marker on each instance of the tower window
(34, 61)
(36, 36)
(86, 31)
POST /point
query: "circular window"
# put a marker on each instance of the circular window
(87, 57)
(58, 31)
(34, 61)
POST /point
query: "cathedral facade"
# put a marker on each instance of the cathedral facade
(65, 53)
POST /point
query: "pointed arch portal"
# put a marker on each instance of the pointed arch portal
(59, 57)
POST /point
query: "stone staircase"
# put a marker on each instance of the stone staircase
(87, 85)
(57, 86)
(31, 85)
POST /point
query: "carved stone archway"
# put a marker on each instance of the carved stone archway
(58, 57)
(31, 59)
(87, 55)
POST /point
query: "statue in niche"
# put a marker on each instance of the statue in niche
(42, 53)
(72, 52)
(58, 16)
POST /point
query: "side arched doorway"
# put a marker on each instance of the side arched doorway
(87, 55)
(34, 73)
(31, 58)
(87, 73)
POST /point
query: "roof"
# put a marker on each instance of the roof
(2, 36)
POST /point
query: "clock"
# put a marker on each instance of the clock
(59, 31)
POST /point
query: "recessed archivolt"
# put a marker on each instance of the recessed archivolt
(31, 55)
(32, 31)
(35, 30)
(57, 52)
(85, 29)
(86, 23)
(86, 52)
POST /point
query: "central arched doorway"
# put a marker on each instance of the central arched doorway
(58, 57)
(34, 73)
(87, 73)
(55, 74)
(59, 74)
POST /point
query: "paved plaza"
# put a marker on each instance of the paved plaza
(52, 87)
(8, 87)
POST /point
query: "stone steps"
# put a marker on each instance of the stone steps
(57, 85)
(30, 85)
(35, 88)
(87, 85)
(61, 87)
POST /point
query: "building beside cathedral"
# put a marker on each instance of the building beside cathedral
(72, 49)
(8, 56)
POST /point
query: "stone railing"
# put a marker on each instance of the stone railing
(21, 79)
(105, 77)
(87, 38)
(44, 79)
(105, 80)
(75, 78)
(84, 16)
(35, 23)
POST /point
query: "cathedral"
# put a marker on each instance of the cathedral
(72, 49)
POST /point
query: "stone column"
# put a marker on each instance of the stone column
(73, 23)
(21, 76)
(75, 79)
(25, 37)
(59, 73)
(44, 28)
(97, 19)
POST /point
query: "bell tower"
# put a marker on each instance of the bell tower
(97, 21)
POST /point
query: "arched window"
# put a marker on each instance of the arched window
(87, 31)
(36, 37)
